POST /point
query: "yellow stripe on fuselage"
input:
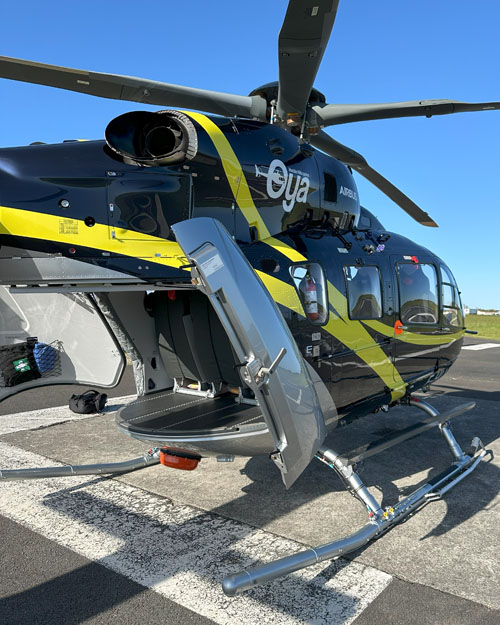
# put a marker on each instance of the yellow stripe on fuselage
(234, 173)
(356, 337)
(281, 292)
(239, 186)
(351, 333)
(74, 232)
(413, 337)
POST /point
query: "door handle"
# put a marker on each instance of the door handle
(263, 371)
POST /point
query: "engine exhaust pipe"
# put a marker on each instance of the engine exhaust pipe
(153, 139)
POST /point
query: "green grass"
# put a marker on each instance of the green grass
(486, 326)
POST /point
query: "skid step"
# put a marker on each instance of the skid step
(399, 436)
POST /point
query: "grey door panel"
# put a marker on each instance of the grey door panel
(258, 333)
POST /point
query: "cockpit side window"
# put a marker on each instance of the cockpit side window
(363, 292)
(330, 188)
(418, 293)
(450, 299)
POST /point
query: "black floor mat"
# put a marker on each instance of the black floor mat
(180, 413)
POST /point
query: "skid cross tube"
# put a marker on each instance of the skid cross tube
(148, 459)
(399, 436)
(380, 521)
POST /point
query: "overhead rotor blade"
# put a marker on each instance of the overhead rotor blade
(301, 44)
(330, 114)
(132, 89)
(341, 152)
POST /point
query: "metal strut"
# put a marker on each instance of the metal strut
(149, 458)
(380, 521)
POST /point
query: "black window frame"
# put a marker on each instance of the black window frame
(443, 269)
(358, 267)
(324, 295)
(424, 324)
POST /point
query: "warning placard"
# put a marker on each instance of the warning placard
(68, 226)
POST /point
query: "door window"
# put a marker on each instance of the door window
(418, 299)
(310, 283)
(364, 292)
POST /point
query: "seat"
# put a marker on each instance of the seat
(192, 342)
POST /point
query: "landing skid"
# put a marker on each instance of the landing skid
(380, 520)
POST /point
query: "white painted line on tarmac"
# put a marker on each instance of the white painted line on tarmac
(34, 419)
(476, 348)
(181, 552)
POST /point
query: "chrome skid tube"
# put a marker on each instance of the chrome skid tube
(148, 459)
(380, 521)
(235, 584)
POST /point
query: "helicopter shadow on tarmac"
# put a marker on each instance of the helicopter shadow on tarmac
(458, 391)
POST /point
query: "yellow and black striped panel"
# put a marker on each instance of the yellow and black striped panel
(74, 232)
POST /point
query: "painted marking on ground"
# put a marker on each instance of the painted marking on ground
(476, 348)
(179, 551)
(34, 419)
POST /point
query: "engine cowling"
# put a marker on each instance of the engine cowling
(153, 139)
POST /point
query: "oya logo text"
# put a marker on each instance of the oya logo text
(291, 183)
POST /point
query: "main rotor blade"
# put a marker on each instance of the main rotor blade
(132, 89)
(341, 152)
(330, 114)
(301, 44)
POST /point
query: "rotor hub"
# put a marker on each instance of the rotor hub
(269, 92)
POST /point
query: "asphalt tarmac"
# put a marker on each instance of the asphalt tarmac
(152, 546)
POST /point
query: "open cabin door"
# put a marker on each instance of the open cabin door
(54, 338)
(258, 334)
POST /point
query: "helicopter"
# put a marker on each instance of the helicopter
(227, 254)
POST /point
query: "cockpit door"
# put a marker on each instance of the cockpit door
(417, 352)
(271, 364)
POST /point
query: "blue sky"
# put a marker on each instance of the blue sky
(379, 52)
